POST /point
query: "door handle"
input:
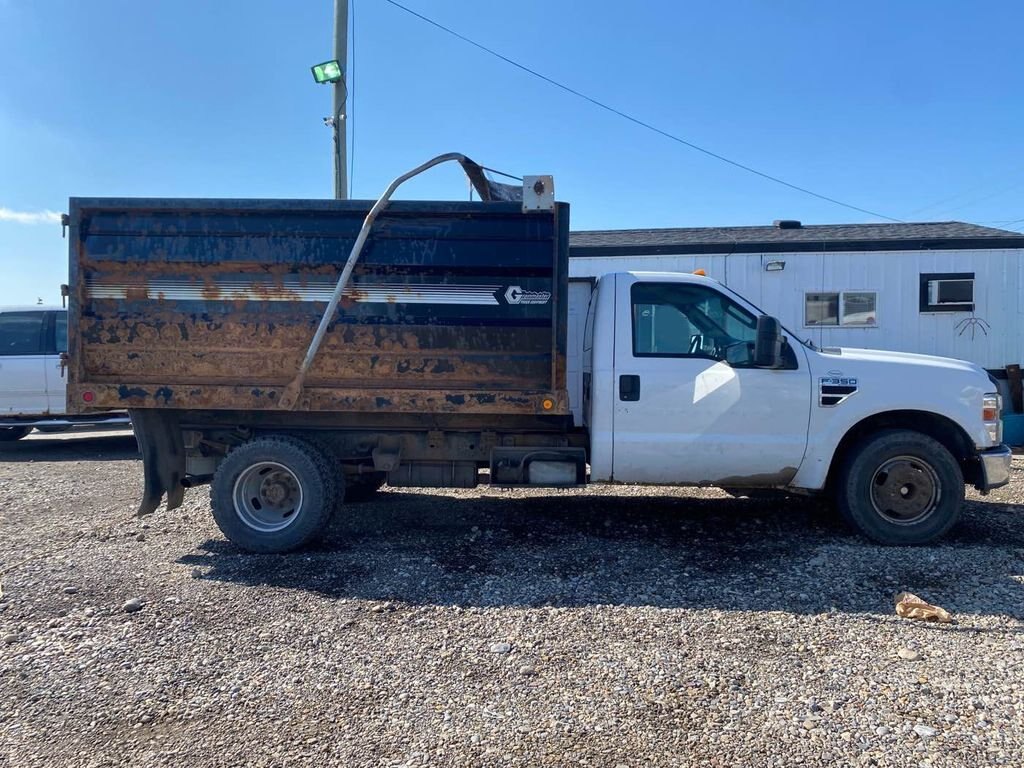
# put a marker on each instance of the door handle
(629, 387)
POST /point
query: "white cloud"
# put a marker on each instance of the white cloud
(29, 217)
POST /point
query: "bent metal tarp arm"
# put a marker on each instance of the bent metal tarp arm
(486, 189)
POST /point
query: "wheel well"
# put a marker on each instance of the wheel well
(940, 428)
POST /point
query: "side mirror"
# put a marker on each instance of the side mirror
(768, 347)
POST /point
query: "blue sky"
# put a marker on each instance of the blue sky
(913, 109)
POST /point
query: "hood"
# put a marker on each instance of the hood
(854, 355)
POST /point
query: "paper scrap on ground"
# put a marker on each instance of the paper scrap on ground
(910, 606)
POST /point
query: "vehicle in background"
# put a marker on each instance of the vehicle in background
(33, 387)
(262, 350)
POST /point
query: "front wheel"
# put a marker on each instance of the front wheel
(273, 494)
(900, 487)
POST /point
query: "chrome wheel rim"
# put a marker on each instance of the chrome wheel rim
(905, 490)
(267, 496)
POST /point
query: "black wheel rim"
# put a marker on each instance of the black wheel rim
(905, 490)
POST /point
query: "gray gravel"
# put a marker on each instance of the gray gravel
(620, 626)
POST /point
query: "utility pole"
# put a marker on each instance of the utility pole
(340, 96)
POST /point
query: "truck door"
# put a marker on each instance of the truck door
(689, 405)
(22, 373)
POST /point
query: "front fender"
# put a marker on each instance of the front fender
(827, 433)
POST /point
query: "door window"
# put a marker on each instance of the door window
(21, 333)
(686, 320)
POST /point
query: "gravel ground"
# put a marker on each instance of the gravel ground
(613, 627)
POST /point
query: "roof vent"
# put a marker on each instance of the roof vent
(786, 224)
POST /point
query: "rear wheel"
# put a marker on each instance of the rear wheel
(901, 487)
(10, 434)
(273, 494)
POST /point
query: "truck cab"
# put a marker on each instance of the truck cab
(682, 386)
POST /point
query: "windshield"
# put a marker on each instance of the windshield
(806, 342)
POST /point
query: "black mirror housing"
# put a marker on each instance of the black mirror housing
(768, 347)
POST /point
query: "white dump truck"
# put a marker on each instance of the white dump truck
(296, 355)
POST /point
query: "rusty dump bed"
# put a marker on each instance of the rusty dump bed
(453, 307)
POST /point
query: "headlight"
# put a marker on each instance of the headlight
(991, 410)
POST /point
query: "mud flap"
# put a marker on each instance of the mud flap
(163, 458)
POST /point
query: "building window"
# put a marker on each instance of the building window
(821, 309)
(947, 292)
(846, 308)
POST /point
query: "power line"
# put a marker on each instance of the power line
(975, 201)
(964, 193)
(636, 120)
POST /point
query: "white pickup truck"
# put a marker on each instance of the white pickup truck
(677, 387)
(32, 382)
(260, 352)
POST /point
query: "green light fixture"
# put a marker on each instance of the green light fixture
(328, 72)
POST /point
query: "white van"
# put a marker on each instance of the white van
(32, 381)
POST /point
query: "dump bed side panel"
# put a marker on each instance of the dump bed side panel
(454, 307)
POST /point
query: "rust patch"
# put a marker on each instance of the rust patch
(237, 353)
(765, 480)
(210, 290)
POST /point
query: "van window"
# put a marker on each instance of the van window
(21, 333)
(62, 331)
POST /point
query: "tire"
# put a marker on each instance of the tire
(10, 434)
(363, 487)
(273, 494)
(900, 488)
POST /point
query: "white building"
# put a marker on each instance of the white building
(945, 288)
